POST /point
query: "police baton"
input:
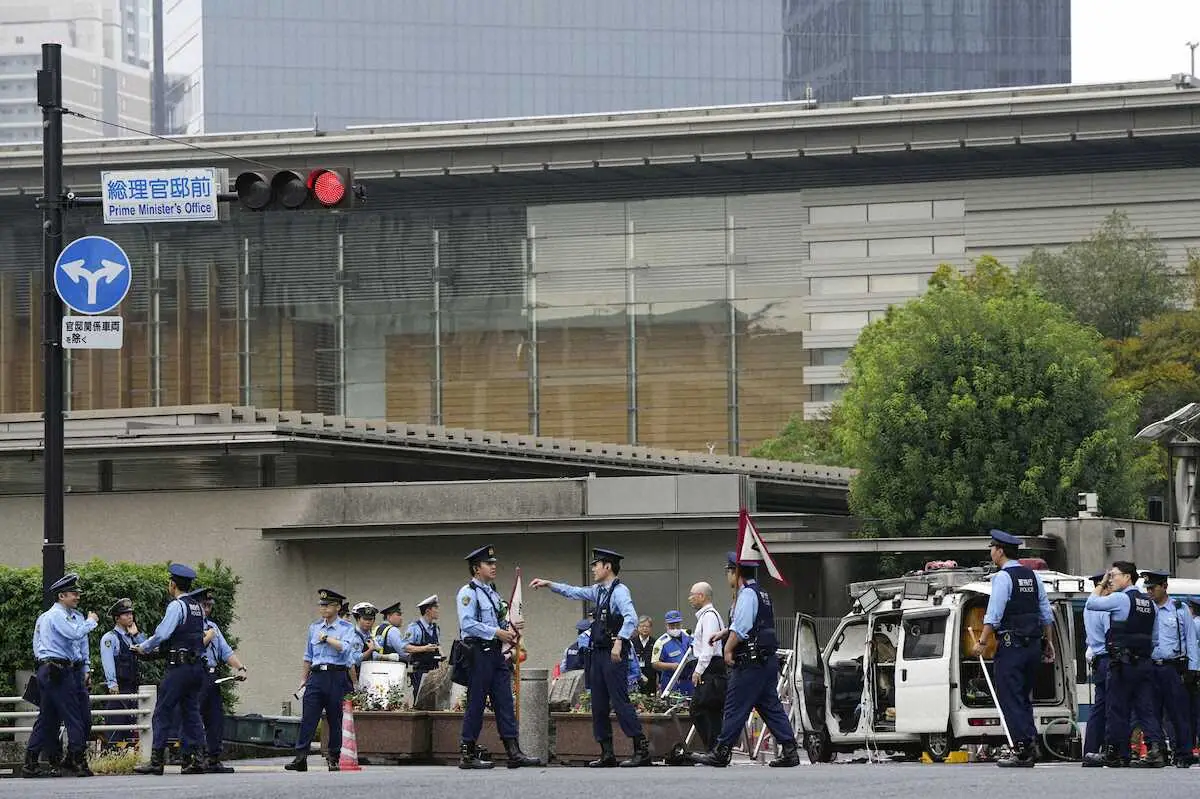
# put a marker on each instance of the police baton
(992, 690)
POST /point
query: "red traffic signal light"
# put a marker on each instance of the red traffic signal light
(295, 189)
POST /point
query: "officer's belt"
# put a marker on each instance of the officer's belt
(1095, 659)
(330, 667)
(482, 644)
(1012, 639)
(61, 663)
(182, 657)
(1168, 661)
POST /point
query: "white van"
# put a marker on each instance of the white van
(897, 675)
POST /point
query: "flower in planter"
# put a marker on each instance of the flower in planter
(584, 705)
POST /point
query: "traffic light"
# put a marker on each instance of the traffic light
(292, 190)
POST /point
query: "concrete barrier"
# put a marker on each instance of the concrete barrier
(535, 712)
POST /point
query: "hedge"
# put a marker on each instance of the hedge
(103, 583)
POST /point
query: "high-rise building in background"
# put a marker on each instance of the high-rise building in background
(107, 46)
(235, 65)
(839, 49)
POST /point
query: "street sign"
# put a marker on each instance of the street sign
(92, 275)
(162, 195)
(93, 332)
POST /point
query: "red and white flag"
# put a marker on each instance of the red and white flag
(516, 613)
(751, 547)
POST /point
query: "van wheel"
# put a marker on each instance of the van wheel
(939, 745)
(819, 747)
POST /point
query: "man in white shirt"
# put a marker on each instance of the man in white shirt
(708, 703)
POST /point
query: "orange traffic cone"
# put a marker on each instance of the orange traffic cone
(349, 758)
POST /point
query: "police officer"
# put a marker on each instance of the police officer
(613, 622)
(753, 683)
(1018, 615)
(1095, 629)
(1193, 683)
(212, 709)
(423, 642)
(483, 628)
(1132, 632)
(573, 658)
(330, 651)
(364, 614)
(181, 632)
(120, 664)
(670, 650)
(1174, 656)
(389, 636)
(60, 651)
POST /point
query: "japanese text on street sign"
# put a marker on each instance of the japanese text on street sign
(161, 195)
(93, 332)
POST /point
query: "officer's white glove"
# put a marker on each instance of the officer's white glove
(393, 657)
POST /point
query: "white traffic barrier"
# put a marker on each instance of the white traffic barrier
(146, 697)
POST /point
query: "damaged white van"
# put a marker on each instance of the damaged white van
(897, 675)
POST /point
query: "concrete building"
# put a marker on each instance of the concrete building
(106, 56)
(839, 49)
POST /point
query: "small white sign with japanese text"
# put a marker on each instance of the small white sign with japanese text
(93, 332)
(162, 195)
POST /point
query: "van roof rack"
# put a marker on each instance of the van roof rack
(930, 581)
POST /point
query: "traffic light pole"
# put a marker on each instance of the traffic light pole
(49, 84)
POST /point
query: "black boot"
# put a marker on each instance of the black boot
(788, 758)
(641, 754)
(158, 758)
(213, 765)
(82, 769)
(299, 763)
(1022, 756)
(719, 756)
(469, 757)
(334, 761)
(67, 765)
(1107, 756)
(53, 767)
(30, 769)
(1153, 759)
(192, 764)
(607, 758)
(517, 758)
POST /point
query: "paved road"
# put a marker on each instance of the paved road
(840, 781)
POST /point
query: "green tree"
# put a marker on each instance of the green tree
(1113, 280)
(979, 405)
(805, 441)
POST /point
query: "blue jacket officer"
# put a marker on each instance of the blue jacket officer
(330, 651)
(1095, 630)
(1018, 615)
(181, 634)
(669, 651)
(483, 629)
(614, 620)
(389, 636)
(1173, 658)
(572, 660)
(363, 615)
(120, 664)
(1194, 684)
(423, 642)
(749, 654)
(60, 651)
(217, 652)
(1132, 635)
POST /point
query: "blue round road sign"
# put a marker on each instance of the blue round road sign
(92, 275)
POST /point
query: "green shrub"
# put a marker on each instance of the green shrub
(103, 583)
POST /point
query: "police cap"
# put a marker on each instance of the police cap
(606, 556)
(181, 571)
(1098, 576)
(732, 562)
(1001, 538)
(485, 554)
(123, 605)
(204, 594)
(1155, 576)
(428, 601)
(392, 608)
(68, 582)
(327, 596)
(674, 617)
(364, 610)
(583, 624)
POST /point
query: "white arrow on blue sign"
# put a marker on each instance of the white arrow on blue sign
(92, 275)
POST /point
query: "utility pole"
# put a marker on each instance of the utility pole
(1193, 46)
(49, 86)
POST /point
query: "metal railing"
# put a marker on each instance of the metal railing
(145, 697)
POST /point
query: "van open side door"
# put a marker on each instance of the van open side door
(923, 671)
(809, 676)
(1065, 649)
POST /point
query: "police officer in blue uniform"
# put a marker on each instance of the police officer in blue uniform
(120, 664)
(1018, 615)
(217, 652)
(573, 658)
(1193, 679)
(389, 636)
(1095, 629)
(669, 651)
(423, 642)
(60, 650)
(614, 620)
(753, 683)
(181, 633)
(1132, 633)
(482, 629)
(330, 651)
(1174, 656)
(363, 615)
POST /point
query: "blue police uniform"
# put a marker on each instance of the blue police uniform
(1194, 688)
(390, 639)
(481, 614)
(573, 659)
(673, 649)
(1131, 636)
(120, 665)
(1017, 611)
(1095, 629)
(327, 683)
(1174, 654)
(422, 633)
(60, 651)
(181, 635)
(613, 616)
(753, 682)
(212, 706)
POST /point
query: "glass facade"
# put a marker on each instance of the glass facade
(273, 64)
(668, 322)
(838, 49)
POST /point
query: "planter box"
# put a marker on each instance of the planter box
(385, 734)
(445, 727)
(575, 745)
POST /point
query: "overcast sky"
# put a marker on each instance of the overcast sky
(1113, 40)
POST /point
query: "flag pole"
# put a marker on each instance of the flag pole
(516, 651)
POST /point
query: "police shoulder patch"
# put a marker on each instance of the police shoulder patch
(108, 642)
(466, 600)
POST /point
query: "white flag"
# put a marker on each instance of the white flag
(751, 547)
(516, 613)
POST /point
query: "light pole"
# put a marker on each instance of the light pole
(1193, 46)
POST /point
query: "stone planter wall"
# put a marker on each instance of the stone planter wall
(446, 733)
(575, 745)
(390, 735)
